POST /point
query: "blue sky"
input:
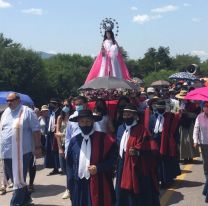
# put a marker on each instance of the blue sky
(66, 26)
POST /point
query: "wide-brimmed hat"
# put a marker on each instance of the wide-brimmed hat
(54, 100)
(160, 104)
(173, 91)
(181, 94)
(44, 108)
(85, 113)
(151, 101)
(130, 108)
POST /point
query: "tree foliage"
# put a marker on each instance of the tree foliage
(24, 71)
(160, 75)
(66, 73)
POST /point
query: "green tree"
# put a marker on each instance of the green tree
(21, 70)
(134, 69)
(204, 68)
(180, 62)
(163, 58)
(8, 43)
(155, 60)
(66, 73)
(159, 75)
(124, 53)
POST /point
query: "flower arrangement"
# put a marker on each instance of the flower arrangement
(107, 94)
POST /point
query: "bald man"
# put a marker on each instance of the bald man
(19, 126)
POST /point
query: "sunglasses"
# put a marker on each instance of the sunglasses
(11, 100)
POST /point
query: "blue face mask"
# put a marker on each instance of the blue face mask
(65, 109)
(79, 107)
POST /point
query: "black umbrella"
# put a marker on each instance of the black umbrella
(108, 83)
(137, 80)
(160, 83)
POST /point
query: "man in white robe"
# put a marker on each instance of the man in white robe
(19, 126)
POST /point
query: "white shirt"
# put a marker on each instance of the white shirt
(174, 105)
(102, 125)
(72, 129)
(200, 134)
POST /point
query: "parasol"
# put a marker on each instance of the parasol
(108, 82)
(183, 76)
(160, 83)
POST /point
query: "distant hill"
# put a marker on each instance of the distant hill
(45, 55)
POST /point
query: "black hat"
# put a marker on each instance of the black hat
(54, 100)
(130, 108)
(161, 104)
(153, 100)
(85, 113)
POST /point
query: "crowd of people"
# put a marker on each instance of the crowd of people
(138, 142)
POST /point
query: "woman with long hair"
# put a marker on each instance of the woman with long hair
(60, 136)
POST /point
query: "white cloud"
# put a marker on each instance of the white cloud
(133, 8)
(33, 11)
(196, 20)
(200, 53)
(186, 4)
(141, 19)
(165, 9)
(4, 4)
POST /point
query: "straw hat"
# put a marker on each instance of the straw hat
(44, 108)
(181, 94)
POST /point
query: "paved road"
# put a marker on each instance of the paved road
(186, 191)
(48, 189)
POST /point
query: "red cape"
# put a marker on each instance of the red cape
(101, 184)
(134, 165)
(168, 142)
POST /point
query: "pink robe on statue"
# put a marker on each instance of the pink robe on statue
(110, 63)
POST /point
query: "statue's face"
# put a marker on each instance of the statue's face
(108, 35)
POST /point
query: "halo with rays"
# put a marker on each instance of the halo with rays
(108, 24)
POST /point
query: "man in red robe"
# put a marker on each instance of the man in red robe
(136, 183)
(164, 129)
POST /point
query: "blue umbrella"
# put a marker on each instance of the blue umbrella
(183, 76)
(25, 99)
